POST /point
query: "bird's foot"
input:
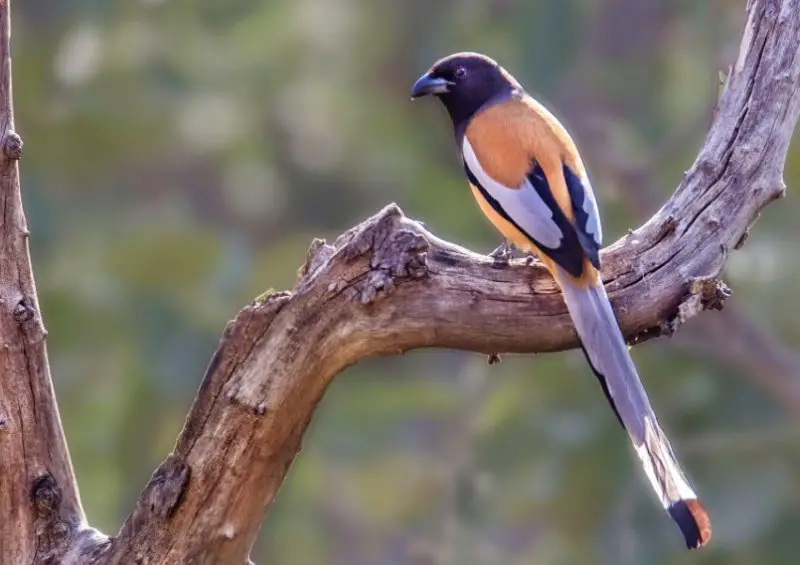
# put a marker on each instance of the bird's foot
(502, 255)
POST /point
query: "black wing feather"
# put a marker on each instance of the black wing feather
(577, 193)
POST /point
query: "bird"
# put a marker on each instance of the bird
(529, 180)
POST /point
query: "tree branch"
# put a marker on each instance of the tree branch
(387, 286)
(40, 511)
(734, 337)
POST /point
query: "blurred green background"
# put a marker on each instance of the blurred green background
(180, 156)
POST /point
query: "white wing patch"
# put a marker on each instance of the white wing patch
(593, 226)
(523, 204)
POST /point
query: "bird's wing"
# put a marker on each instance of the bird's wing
(523, 204)
(587, 216)
(532, 208)
(526, 166)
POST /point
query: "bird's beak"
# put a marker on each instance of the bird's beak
(430, 85)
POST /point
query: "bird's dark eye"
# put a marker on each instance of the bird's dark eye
(461, 72)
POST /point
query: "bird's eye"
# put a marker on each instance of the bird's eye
(461, 72)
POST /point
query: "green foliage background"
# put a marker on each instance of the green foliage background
(180, 156)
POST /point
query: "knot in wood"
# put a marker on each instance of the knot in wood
(166, 487)
(25, 310)
(669, 226)
(705, 293)
(371, 234)
(46, 495)
(711, 291)
(12, 146)
(402, 254)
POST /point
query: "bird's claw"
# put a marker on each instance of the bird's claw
(501, 255)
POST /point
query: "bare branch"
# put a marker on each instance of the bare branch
(388, 286)
(384, 287)
(734, 337)
(41, 511)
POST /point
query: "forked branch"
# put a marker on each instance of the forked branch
(388, 285)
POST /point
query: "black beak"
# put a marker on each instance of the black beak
(430, 85)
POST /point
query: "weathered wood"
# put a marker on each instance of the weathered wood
(388, 286)
(40, 512)
(384, 287)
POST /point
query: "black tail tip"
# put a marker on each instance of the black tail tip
(693, 522)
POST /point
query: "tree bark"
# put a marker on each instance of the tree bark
(386, 286)
(40, 511)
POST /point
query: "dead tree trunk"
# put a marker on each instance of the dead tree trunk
(384, 287)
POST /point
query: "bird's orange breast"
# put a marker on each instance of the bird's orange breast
(509, 137)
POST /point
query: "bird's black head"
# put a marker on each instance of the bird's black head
(464, 82)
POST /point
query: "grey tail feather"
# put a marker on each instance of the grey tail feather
(603, 385)
(605, 349)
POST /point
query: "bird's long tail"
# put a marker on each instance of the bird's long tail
(608, 355)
